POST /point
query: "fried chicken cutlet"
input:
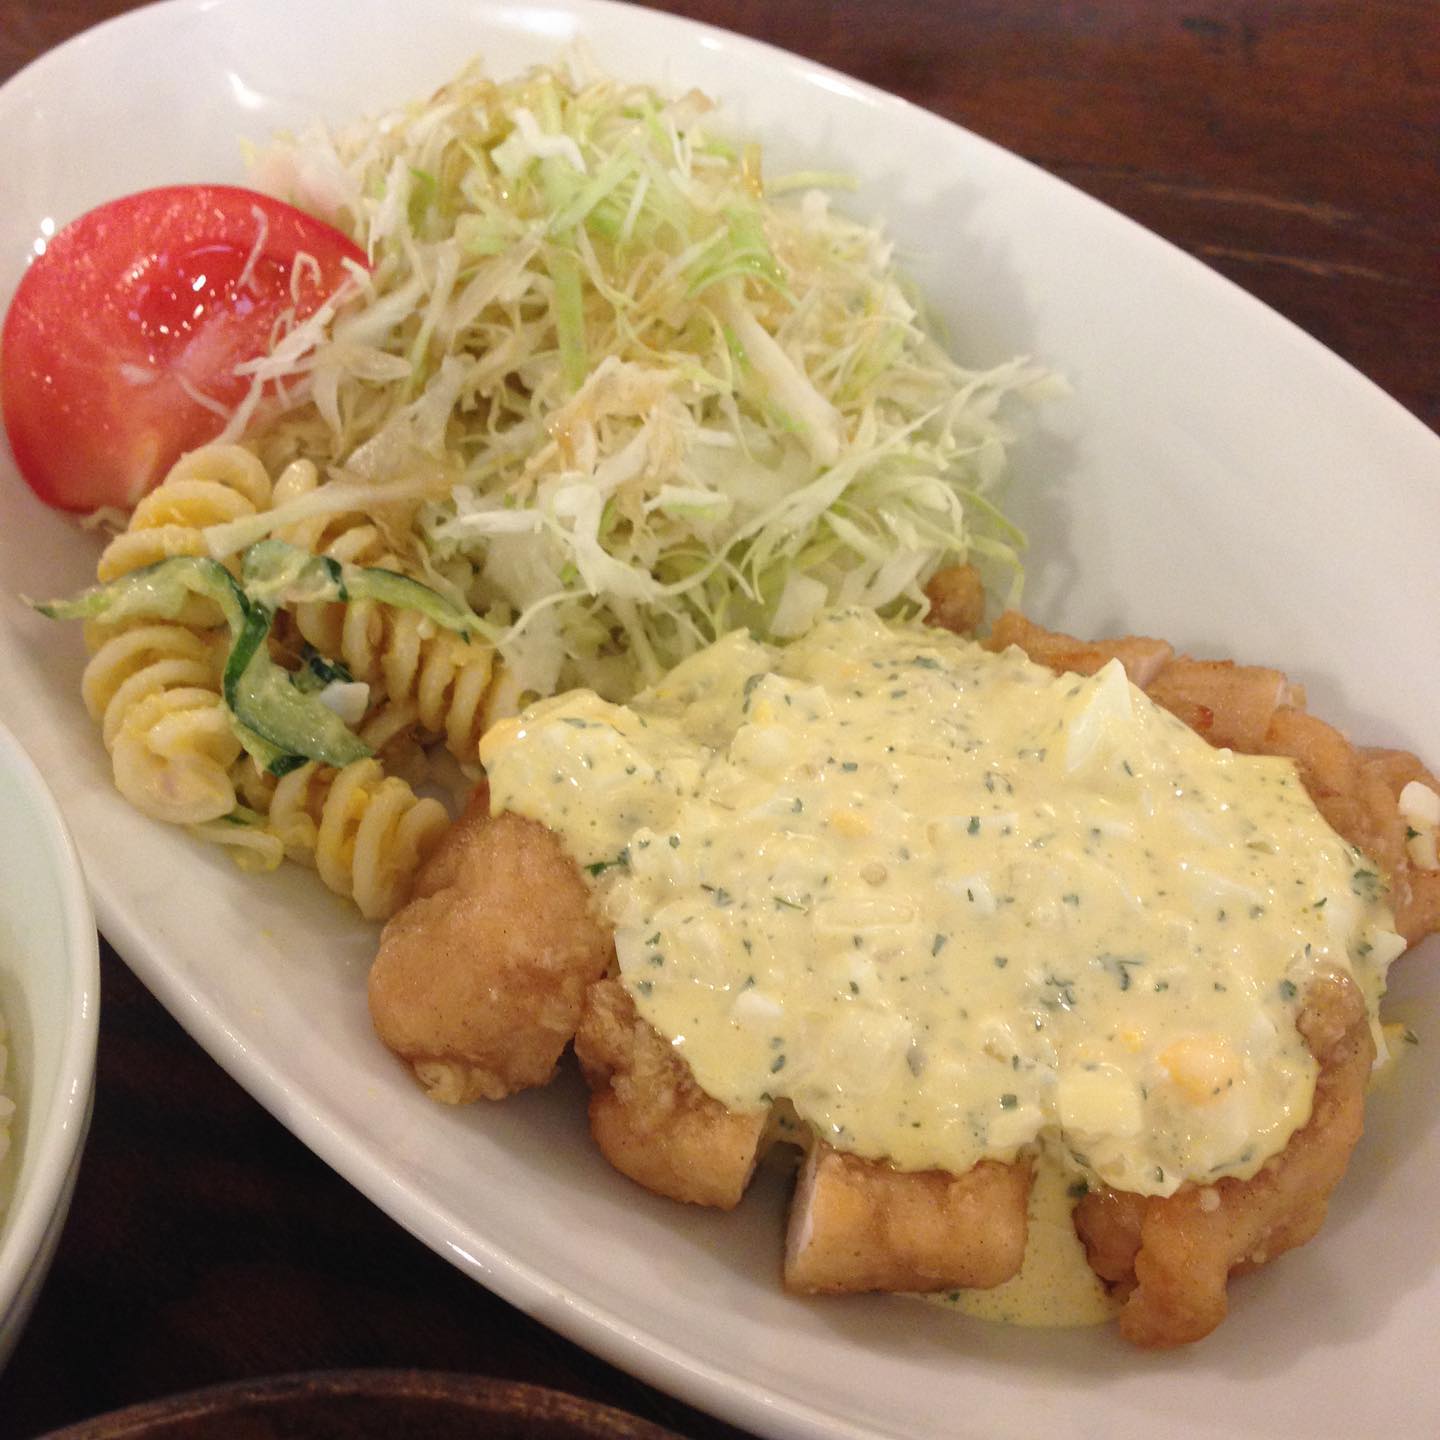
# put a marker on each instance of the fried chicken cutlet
(479, 981)
(1172, 1256)
(863, 1224)
(650, 1119)
(855, 1224)
(496, 964)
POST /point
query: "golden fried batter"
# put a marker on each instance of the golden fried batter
(858, 1225)
(855, 1225)
(485, 976)
(479, 980)
(957, 599)
(650, 1119)
(1141, 656)
(1173, 1255)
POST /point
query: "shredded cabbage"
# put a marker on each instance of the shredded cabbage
(625, 394)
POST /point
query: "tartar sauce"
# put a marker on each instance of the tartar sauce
(1055, 1286)
(952, 905)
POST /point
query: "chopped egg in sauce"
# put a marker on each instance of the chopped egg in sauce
(953, 906)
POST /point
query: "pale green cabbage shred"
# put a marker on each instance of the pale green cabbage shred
(613, 390)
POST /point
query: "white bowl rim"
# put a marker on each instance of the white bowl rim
(58, 1136)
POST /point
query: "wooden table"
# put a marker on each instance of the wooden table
(1293, 146)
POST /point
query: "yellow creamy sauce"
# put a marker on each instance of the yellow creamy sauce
(953, 906)
(1055, 1285)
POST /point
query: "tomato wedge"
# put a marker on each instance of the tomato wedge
(134, 310)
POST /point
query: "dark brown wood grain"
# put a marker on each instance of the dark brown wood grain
(1294, 145)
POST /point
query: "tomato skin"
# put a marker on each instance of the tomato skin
(132, 311)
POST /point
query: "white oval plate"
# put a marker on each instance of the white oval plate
(1218, 478)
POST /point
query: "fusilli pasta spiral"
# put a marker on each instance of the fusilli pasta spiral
(155, 688)
(210, 485)
(351, 537)
(365, 832)
(423, 676)
(442, 675)
(206, 487)
(155, 691)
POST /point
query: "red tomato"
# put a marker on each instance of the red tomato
(131, 311)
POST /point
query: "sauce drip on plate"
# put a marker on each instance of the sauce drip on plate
(1055, 1286)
